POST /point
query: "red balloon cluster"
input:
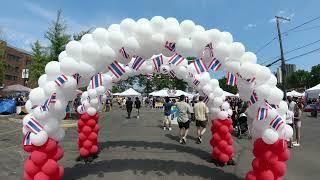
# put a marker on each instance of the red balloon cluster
(88, 129)
(42, 163)
(222, 141)
(269, 161)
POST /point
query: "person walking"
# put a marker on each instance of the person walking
(167, 112)
(183, 120)
(297, 122)
(289, 121)
(137, 105)
(201, 112)
(129, 104)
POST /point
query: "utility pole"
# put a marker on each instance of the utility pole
(283, 69)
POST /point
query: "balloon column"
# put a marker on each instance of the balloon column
(158, 46)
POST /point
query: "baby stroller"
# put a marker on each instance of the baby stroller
(242, 127)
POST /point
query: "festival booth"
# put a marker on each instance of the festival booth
(155, 46)
(128, 93)
(170, 93)
(313, 92)
(294, 93)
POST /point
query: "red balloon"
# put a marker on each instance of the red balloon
(266, 155)
(82, 136)
(251, 176)
(96, 116)
(212, 141)
(279, 168)
(96, 128)
(38, 157)
(86, 130)
(228, 150)
(227, 136)
(284, 156)
(265, 175)
(81, 123)
(92, 123)
(256, 164)
(61, 171)
(94, 149)
(260, 145)
(216, 152)
(87, 144)
(222, 145)
(85, 117)
(41, 176)
(84, 152)
(216, 137)
(230, 141)
(50, 146)
(50, 167)
(93, 137)
(58, 155)
(26, 176)
(217, 123)
(28, 148)
(223, 158)
(30, 167)
(223, 130)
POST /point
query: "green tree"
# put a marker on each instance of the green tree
(225, 87)
(57, 36)
(299, 79)
(78, 36)
(39, 61)
(315, 75)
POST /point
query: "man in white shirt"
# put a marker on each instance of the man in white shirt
(201, 115)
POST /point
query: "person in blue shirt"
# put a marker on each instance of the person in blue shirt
(167, 112)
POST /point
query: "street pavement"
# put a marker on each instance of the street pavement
(140, 149)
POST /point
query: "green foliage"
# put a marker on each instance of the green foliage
(315, 75)
(225, 87)
(2, 68)
(78, 36)
(39, 61)
(164, 81)
(298, 79)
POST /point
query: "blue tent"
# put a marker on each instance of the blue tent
(7, 106)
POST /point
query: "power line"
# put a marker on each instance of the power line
(308, 28)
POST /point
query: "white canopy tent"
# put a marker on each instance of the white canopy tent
(294, 93)
(128, 92)
(230, 94)
(170, 93)
(313, 92)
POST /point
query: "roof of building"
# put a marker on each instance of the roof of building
(19, 49)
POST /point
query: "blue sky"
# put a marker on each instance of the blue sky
(250, 22)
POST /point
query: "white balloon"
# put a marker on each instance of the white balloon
(287, 132)
(270, 136)
(42, 80)
(74, 49)
(39, 139)
(222, 51)
(114, 28)
(222, 115)
(226, 37)
(101, 35)
(91, 111)
(225, 106)
(37, 96)
(214, 36)
(237, 50)
(53, 68)
(68, 66)
(28, 106)
(276, 96)
(128, 26)
(86, 38)
(116, 40)
(187, 26)
(157, 23)
(249, 57)
(282, 108)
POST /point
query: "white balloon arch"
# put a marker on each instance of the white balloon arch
(134, 45)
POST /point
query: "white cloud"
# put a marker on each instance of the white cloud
(250, 26)
(283, 13)
(38, 10)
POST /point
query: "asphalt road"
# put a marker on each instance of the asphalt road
(140, 149)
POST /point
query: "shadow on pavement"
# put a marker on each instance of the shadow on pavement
(158, 145)
(143, 166)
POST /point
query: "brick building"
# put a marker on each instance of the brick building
(15, 61)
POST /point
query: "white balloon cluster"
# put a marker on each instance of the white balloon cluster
(145, 38)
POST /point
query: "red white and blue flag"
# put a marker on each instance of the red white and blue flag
(262, 113)
(231, 79)
(116, 69)
(190, 75)
(172, 73)
(209, 47)
(77, 77)
(157, 62)
(215, 65)
(253, 98)
(200, 66)
(171, 46)
(176, 59)
(124, 54)
(276, 122)
(108, 92)
(138, 61)
(206, 99)
(34, 126)
(96, 81)
(196, 82)
(51, 100)
(26, 139)
(61, 80)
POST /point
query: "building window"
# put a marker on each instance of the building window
(10, 78)
(28, 63)
(12, 57)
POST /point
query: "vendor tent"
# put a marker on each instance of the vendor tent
(16, 88)
(294, 94)
(128, 92)
(170, 93)
(313, 92)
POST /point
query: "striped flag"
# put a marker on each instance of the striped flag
(172, 73)
(190, 75)
(34, 126)
(209, 47)
(61, 80)
(176, 59)
(124, 54)
(253, 98)
(200, 66)
(96, 81)
(196, 82)
(268, 105)
(77, 77)
(248, 80)
(262, 113)
(108, 92)
(171, 46)
(231, 79)
(26, 139)
(157, 62)
(138, 61)
(52, 99)
(116, 69)
(277, 122)
(214, 65)
(206, 99)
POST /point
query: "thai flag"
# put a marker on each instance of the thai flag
(200, 66)
(262, 113)
(268, 105)
(171, 46)
(157, 61)
(51, 100)
(124, 54)
(209, 47)
(176, 59)
(253, 98)
(26, 139)
(172, 74)
(206, 99)
(77, 77)
(196, 82)
(116, 69)
(276, 122)
(231, 79)
(96, 81)
(190, 75)
(215, 65)
(138, 61)
(34, 126)
(108, 92)
(61, 80)
(251, 80)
